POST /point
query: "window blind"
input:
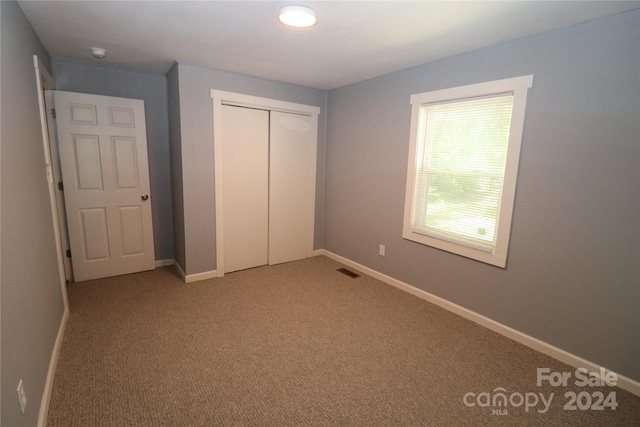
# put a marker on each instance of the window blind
(460, 163)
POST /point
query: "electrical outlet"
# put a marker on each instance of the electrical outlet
(381, 250)
(22, 396)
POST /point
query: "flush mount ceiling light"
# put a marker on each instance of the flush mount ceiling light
(298, 16)
(98, 52)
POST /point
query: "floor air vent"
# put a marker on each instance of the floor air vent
(348, 273)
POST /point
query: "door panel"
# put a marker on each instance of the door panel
(245, 187)
(121, 117)
(83, 114)
(95, 238)
(291, 145)
(87, 162)
(103, 154)
(132, 231)
(125, 161)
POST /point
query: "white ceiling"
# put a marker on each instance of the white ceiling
(353, 40)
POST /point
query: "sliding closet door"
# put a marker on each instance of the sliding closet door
(245, 187)
(291, 174)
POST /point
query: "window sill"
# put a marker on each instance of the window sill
(465, 251)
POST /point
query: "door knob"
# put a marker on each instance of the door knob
(144, 197)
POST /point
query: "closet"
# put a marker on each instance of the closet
(267, 161)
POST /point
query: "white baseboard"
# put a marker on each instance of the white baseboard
(194, 277)
(201, 276)
(53, 363)
(534, 343)
(164, 262)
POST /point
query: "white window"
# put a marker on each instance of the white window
(463, 165)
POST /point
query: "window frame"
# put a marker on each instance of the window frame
(518, 86)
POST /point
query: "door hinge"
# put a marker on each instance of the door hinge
(68, 253)
(53, 113)
(60, 186)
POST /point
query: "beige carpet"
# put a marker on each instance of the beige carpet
(298, 344)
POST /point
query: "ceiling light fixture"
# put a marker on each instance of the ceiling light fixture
(98, 52)
(298, 16)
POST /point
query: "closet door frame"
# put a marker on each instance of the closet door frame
(221, 98)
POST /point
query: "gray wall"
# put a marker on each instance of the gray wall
(573, 272)
(175, 132)
(152, 89)
(196, 151)
(32, 305)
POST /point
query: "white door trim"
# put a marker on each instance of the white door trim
(44, 81)
(221, 98)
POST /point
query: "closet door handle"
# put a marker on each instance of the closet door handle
(144, 197)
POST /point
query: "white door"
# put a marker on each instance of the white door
(267, 181)
(291, 208)
(103, 153)
(245, 187)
